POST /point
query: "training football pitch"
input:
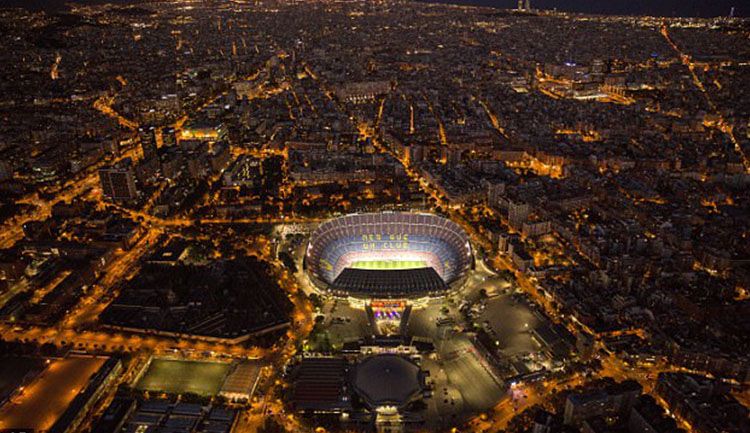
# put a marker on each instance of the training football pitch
(389, 264)
(180, 377)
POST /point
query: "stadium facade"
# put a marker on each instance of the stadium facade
(388, 255)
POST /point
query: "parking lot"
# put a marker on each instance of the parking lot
(470, 374)
(511, 319)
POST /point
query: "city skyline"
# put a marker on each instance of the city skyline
(668, 8)
(373, 216)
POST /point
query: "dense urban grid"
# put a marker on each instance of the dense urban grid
(386, 216)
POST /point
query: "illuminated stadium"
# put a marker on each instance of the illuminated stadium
(388, 255)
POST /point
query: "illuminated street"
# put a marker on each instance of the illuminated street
(388, 216)
(40, 404)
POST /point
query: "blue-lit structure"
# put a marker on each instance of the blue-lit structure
(338, 245)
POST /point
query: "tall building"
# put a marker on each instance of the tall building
(6, 170)
(706, 404)
(585, 345)
(168, 136)
(615, 400)
(545, 422)
(416, 153)
(118, 183)
(495, 191)
(147, 137)
(517, 214)
(648, 417)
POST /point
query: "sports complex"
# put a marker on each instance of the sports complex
(180, 376)
(388, 255)
(234, 380)
(388, 347)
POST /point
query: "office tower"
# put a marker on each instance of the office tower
(147, 137)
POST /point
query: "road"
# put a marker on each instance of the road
(42, 402)
(122, 268)
(519, 399)
(106, 341)
(125, 264)
(12, 231)
(723, 125)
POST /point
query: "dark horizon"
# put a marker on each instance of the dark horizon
(666, 8)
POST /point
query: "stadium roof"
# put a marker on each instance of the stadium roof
(320, 385)
(388, 380)
(402, 283)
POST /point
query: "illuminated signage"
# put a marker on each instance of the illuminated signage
(378, 241)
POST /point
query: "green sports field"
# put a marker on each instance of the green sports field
(389, 264)
(180, 377)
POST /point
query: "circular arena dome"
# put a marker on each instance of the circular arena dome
(388, 380)
(389, 254)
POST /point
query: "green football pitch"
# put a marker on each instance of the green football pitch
(180, 377)
(389, 264)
